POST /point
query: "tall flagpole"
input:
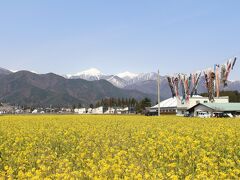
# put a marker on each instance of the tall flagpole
(158, 93)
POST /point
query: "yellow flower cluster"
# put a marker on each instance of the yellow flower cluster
(118, 147)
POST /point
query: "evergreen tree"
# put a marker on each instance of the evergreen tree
(98, 104)
(79, 105)
(73, 106)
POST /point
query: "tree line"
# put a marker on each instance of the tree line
(234, 96)
(138, 105)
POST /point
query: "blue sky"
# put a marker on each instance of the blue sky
(136, 35)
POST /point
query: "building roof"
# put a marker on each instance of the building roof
(171, 102)
(197, 96)
(221, 106)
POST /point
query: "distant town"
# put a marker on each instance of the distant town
(105, 106)
(224, 106)
(8, 109)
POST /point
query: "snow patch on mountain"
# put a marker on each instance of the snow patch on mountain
(117, 81)
(147, 76)
(127, 75)
(68, 76)
(90, 72)
(120, 80)
(90, 75)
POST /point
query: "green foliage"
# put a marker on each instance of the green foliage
(139, 106)
(117, 102)
(234, 96)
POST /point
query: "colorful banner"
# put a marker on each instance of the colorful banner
(213, 79)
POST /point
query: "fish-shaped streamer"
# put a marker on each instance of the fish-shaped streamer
(234, 62)
(170, 83)
(195, 85)
(217, 80)
(176, 86)
(223, 75)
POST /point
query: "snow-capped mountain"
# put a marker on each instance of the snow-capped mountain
(117, 81)
(144, 82)
(120, 80)
(143, 77)
(127, 75)
(90, 75)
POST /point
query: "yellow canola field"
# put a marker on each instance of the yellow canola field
(118, 147)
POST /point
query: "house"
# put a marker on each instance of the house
(27, 111)
(35, 111)
(49, 110)
(215, 110)
(19, 111)
(110, 110)
(89, 111)
(126, 110)
(98, 110)
(6, 109)
(80, 111)
(66, 110)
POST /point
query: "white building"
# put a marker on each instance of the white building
(18, 111)
(80, 110)
(89, 111)
(110, 110)
(122, 110)
(168, 106)
(6, 108)
(125, 110)
(35, 111)
(98, 110)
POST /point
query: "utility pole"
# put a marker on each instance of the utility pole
(158, 82)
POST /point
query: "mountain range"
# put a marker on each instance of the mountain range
(143, 82)
(25, 87)
(120, 80)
